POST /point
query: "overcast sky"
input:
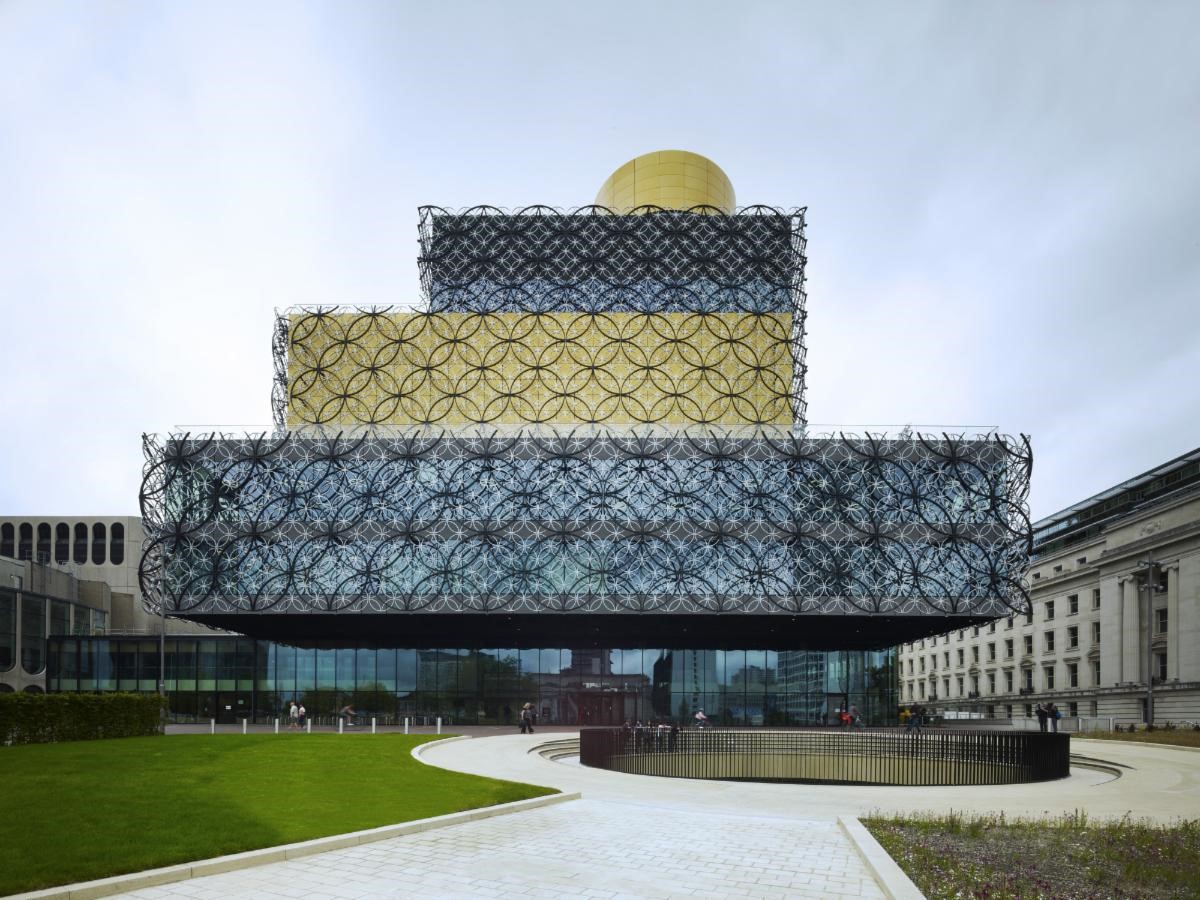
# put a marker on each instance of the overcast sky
(1003, 200)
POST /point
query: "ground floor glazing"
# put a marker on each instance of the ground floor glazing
(233, 678)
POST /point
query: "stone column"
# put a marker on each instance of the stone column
(1172, 621)
(1131, 643)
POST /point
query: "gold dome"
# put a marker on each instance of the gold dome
(672, 179)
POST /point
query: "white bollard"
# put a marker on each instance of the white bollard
(406, 724)
(372, 724)
(277, 724)
(439, 725)
(340, 722)
(212, 726)
(308, 725)
(243, 726)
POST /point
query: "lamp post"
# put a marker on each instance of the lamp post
(1150, 586)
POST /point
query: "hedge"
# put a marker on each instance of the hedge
(46, 718)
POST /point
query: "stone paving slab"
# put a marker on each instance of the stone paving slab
(588, 848)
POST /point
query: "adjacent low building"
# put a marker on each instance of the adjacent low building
(1090, 643)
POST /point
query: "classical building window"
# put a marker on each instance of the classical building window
(1072, 604)
(7, 540)
(1160, 666)
(991, 652)
(922, 664)
(1028, 644)
(1095, 598)
(1073, 636)
(959, 685)
(1049, 609)
(975, 685)
(1073, 709)
(991, 682)
(1095, 632)
(1008, 648)
(974, 654)
(1049, 641)
(1072, 675)
(1048, 677)
(946, 657)
(1160, 621)
(1008, 682)
(992, 627)
(960, 656)
(1028, 679)
(25, 544)
(1096, 673)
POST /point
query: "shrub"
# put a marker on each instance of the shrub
(46, 718)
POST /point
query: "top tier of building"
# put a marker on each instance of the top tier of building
(651, 311)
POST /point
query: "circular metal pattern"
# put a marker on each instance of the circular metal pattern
(586, 520)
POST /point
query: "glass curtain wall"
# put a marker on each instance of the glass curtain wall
(233, 678)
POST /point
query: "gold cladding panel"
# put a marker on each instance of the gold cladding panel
(518, 368)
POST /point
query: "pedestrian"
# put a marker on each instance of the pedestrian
(302, 716)
(917, 719)
(527, 719)
(293, 716)
(855, 718)
(1053, 714)
(1042, 716)
(347, 714)
(701, 719)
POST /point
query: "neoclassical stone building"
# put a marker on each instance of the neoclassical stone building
(1089, 644)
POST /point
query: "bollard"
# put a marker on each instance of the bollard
(439, 725)
(340, 722)
(212, 726)
(277, 724)
(372, 724)
(406, 724)
(243, 726)
(308, 725)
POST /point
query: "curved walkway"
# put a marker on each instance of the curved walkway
(641, 836)
(1159, 783)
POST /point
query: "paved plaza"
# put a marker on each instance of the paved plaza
(639, 836)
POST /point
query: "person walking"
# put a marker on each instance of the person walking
(855, 717)
(293, 716)
(302, 716)
(527, 719)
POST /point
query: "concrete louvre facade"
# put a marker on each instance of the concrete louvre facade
(1089, 645)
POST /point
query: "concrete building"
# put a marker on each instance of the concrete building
(1089, 643)
(37, 600)
(71, 577)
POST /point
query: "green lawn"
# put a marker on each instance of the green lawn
(1176, 738)
(1067, 858)
(90, 809)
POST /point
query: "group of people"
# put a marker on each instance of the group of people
(849, 717)
(912, 719)
(645, 737)
(297, 716)
(1048, 715)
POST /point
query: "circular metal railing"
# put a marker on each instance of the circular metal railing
(882, 757)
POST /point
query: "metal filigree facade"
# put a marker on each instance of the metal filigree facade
(594, 414)
(588, 522)
(586, 316)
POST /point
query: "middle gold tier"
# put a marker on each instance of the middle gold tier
(403, 368)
